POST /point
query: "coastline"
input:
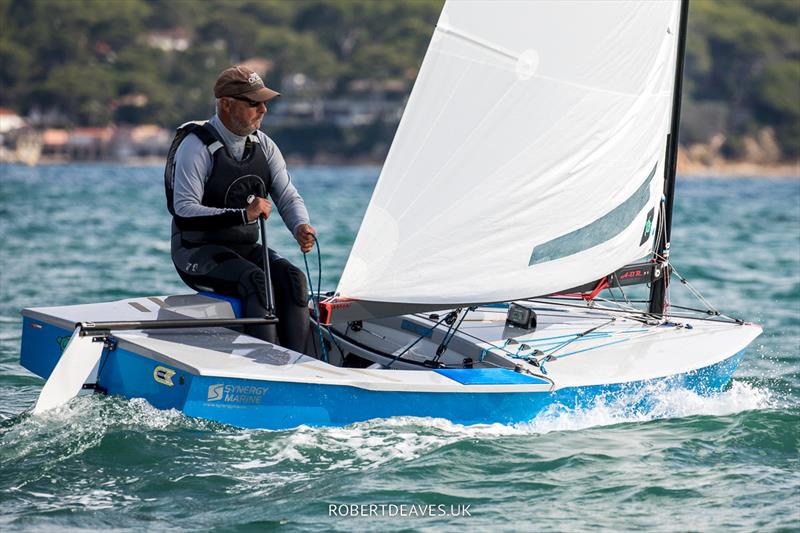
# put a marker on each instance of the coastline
(740, 170)
(686, 169)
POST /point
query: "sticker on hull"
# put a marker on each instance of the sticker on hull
(241, 394)
(163, 375)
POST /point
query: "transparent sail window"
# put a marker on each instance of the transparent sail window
(599, 231)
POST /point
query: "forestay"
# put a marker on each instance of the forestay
(530, 157)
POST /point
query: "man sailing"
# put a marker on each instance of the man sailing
(218, 178)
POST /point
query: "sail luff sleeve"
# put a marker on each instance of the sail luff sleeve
(658, 291)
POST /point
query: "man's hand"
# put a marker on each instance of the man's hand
(304, 234)
(258, 207)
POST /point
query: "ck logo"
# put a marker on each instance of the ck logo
(163, 375)
(254, 78)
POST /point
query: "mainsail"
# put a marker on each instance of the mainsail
(530, 157)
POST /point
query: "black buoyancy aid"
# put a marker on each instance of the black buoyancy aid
(229, 185)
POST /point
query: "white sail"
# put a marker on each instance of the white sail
(529, 158)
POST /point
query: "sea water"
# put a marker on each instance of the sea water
(678, 462)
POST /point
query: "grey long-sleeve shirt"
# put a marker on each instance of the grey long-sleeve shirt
(193, 166)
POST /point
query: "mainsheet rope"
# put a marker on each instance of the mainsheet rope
(315, 295)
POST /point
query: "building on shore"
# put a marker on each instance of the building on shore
(19, 143)
(123, 144)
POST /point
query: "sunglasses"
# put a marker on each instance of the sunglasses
(251, 103)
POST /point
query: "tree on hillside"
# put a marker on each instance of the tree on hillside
(744, 54)
(100, 61)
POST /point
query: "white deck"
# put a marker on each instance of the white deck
(222, 352)
(624, 350)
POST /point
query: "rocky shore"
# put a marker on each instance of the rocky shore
(740, 169)
(761, 157)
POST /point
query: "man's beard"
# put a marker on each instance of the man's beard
(245, 127)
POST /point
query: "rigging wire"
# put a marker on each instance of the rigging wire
(619, 286)
(696, 293)
(549, 301)
(422, 336)
(576, 337)
(532, 358)
(451, 332)
(705, 311)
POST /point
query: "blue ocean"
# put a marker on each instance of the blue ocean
(678, 462)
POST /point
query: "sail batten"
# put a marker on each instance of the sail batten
(529, 122)
(477, 41)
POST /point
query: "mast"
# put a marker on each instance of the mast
(659, 289)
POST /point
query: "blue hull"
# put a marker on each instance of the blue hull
(281, 405)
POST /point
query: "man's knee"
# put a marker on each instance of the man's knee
(252, 282)
(291, 277)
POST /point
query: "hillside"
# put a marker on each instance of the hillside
(346, 67)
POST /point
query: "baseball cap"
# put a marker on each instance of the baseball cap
(243, 82)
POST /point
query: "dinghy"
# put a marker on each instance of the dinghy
(514, 255)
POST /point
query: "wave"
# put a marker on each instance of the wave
(655, 401)
(73, 429)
